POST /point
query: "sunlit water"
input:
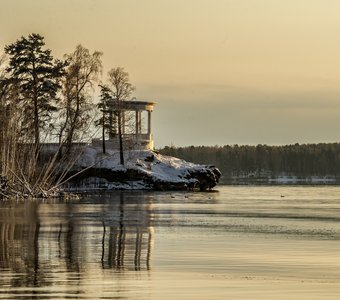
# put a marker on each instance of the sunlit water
(237, 243)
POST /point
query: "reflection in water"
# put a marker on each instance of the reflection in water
(126, 245)
(41, 241)
(121, 247)
(19, 245)
(238, 243)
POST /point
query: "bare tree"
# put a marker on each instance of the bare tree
(121, 90)
(5, 118)
(18, 156)
(82, 72)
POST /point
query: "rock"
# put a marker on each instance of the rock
(150, 158)
(143, 170)
(207, 177)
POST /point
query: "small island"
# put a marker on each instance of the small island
(144, 169)
(62, 128)
(97, 165)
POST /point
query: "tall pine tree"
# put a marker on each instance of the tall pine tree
(38, 76)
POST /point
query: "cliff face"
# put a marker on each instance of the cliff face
(143, 170)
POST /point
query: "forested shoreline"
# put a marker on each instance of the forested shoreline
(301, 160)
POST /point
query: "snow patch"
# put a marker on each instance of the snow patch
(157, 168)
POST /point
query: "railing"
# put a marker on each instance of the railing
(141, 141)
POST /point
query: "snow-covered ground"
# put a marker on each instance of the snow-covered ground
(151, 171)
(295, 179)
(282, 179)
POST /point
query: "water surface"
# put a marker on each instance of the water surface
(238, 243)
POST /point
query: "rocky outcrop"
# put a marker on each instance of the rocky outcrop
(207, 177)
(143, 170)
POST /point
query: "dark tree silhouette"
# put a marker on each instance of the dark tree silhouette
(262, 160)
(38, 77)
(106, 120)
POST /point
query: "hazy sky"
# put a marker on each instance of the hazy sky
(221, 71)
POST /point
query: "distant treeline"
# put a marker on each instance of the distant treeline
(262, 160)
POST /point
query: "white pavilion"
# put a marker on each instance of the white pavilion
(136, 126)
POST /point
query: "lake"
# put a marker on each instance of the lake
(240, 242)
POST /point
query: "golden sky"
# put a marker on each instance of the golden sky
(222, 71)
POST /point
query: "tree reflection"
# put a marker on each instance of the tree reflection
(37, 245)
(127, 245)
(19, 245)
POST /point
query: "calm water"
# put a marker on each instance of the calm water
(238, 243)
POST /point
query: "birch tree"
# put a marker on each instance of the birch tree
(82, 73)
(121, 90)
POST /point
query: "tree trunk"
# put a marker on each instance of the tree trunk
(111, 124)
(36, 112)
(103, 133)
(62, 129)
(73, 120)
(120, 135)
(36, 126)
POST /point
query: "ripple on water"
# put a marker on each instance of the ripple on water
(241, 242)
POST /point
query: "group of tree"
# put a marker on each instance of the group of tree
(112, 96)
(300, 160)
(47, 99)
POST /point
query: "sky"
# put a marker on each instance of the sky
(221, 71)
